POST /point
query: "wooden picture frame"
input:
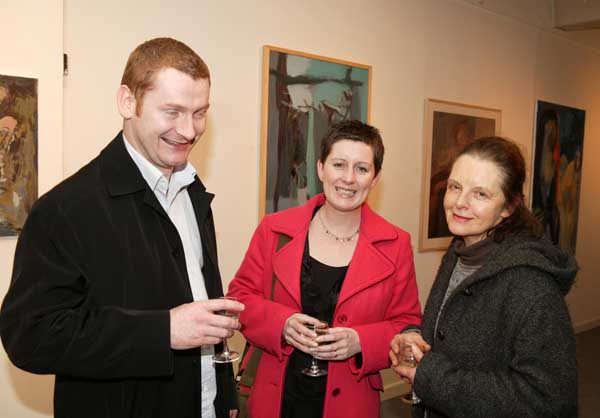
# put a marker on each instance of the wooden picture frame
(448, 127)
(302, 96)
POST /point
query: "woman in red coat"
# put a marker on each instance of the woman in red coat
(344, 265)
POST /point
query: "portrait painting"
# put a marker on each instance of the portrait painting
(448, 128)
(18, 151)
(303, 95)
(558, 155)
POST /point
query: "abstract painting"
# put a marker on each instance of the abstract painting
(18, 151)
(557, 171)
(448, 128)
(303, 95)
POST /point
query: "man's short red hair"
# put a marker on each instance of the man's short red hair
(155, 55)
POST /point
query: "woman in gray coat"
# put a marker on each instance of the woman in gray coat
(496, 338)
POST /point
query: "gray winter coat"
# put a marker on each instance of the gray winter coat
(504, 344)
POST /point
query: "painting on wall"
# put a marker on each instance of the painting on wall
(448, 127)
(18, 151)
(558, 154)
(303, 95)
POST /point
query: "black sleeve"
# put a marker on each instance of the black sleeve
(227, 393)
(49, 323)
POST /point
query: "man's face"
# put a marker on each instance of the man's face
(172, 118)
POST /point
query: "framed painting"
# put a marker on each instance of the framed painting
(447, 128)
(18, 151)
(558, 156)
(303, 95)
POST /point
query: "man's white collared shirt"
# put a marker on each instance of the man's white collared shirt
(173, 197)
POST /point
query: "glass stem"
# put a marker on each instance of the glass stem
(225, 348)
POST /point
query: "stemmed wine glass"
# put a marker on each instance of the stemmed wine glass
(227, 356)
(407, 358)
(314, 370)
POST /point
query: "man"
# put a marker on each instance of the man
(116, 266)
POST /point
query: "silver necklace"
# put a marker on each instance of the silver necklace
(335, 237)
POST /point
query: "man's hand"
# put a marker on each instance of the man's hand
(197, 323)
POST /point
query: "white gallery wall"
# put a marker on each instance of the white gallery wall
(442, 49)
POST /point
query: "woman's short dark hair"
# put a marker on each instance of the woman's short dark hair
(507, 156)
(354, 130)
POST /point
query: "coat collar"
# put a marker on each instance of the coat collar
(121, 177)
(368, 265)
(295, 221)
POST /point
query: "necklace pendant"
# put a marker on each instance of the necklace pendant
(341, 239)
(333, 236)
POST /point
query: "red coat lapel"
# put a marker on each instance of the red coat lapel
(368, 265)
(288, 260)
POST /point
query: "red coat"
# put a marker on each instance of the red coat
(378, 298)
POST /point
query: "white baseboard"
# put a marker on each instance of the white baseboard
(586, 325)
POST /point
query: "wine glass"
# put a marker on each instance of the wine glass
(314, 370)
(407, 358)
(227, 356)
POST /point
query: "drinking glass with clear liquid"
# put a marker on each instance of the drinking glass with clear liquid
(407, 358)
(314, 370)
(227, 355)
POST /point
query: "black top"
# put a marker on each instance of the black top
(320, 286)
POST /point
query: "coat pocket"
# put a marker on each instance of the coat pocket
(376, 382)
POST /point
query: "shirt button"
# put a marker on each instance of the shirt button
(342, 318)
(441, 335)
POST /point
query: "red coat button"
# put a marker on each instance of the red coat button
(343, 318)
(335, 392)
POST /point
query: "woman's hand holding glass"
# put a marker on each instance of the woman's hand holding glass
(341, 343)
(297, 334)
(398, 346)
(314, 370)
(338, 344)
